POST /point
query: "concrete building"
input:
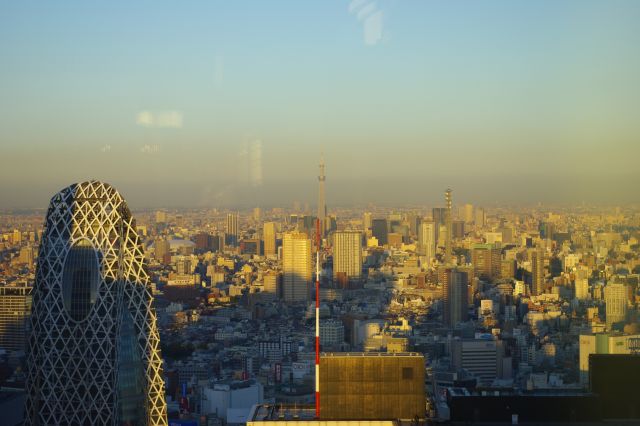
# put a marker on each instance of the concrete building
(347, 255)
(582, 289)
(615, 297)
(296, 267)
(269, 237)
(15, 309)
(232, 399)
(372, 386)
(478, 356)
(486, 261)
(162, 250)
(537, 271)
(427, 240)
(271, 282)
(232, 230)
(455, 292)
(331, 332)
(380, 230)
(604, 343)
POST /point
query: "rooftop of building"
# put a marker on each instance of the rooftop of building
(370, 354)
(304, 413)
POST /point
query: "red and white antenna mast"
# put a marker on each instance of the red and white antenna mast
(318, 240)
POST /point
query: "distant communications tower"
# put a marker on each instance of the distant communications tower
(322, 204)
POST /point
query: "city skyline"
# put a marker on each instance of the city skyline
(350, 212)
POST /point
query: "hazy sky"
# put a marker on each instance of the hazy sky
(218, 103)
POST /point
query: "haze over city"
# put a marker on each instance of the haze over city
(331, 213)
(211, 104)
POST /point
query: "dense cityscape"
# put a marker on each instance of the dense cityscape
(319, 213)
(500, 301)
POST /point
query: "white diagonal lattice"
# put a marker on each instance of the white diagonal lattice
(72, 366)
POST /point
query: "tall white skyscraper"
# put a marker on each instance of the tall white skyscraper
(427, 239)
(347, 254)
(296, 267)
(93, 353)
(615, 298)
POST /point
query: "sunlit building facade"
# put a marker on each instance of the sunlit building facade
(15, 308)
(296, 267)
(347, 255)
(93, 353)
(269, 237)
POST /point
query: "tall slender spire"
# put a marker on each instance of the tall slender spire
(322, 206)
(317, 381)
(447, 246)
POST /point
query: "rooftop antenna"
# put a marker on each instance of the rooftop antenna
(318, 318)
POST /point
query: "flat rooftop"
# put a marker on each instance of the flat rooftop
(281, 413)
(370, 354)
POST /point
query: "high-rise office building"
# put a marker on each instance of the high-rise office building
(322, 204)
(296, 267)
(15, 308)
(271, 282)
(162, 250)
(427, 240)
(455, 291)
(508, 268)
(448, 219)
(457, 229)
(615, 298)
(413, 220)
(26, 255)
(380, 230)
(582, 289)
(161, 216)
(232, 229)
(479, 217)
(93, 352)
(366, 220)
(269, 237)
(257, 214)
(203, 242)
(537, 271)
(486, 260)
(468, 213)
(439, 215)
(347, 254)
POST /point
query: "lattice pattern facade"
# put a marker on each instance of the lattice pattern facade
(94, 346)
